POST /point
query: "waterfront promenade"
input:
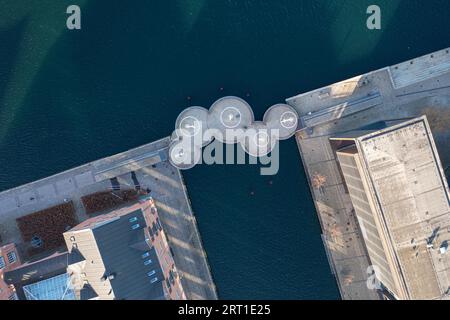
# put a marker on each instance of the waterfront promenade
(154, 173)
(417, 87)
(410, 89)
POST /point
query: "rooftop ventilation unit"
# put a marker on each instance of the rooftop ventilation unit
(444, 247)
(110, 276)
(147, 262)
(153, 280)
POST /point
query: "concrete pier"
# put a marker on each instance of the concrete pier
(154, 172)
(417, 87)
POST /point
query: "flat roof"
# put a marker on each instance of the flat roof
(412, 192)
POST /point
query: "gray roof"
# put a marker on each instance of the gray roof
(413, 202)
(87, 293)
(74, 257)
(121, 249)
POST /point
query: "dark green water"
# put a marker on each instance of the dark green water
(68, 97)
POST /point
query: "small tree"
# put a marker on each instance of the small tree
(318, 180)
(348, 280)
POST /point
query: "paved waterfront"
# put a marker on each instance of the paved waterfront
(410, 89)
(71, 97)
(154, 172)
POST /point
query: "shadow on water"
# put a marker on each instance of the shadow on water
(9, 50)
(122, 80)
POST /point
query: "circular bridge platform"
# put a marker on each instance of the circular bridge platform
(283, 118)
(230, 116)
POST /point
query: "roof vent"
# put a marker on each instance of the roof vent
(36, 242)
(135, 226)
(154, 280)
(147, 262)
(110, 276)
(444, 247)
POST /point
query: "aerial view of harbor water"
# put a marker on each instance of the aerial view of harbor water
(224, 150)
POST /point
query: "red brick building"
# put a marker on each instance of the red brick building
(123, 254)
(9, 259)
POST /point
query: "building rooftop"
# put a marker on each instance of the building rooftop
(408, 181)
(120, 255)
(122, 249)
(118, 262)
